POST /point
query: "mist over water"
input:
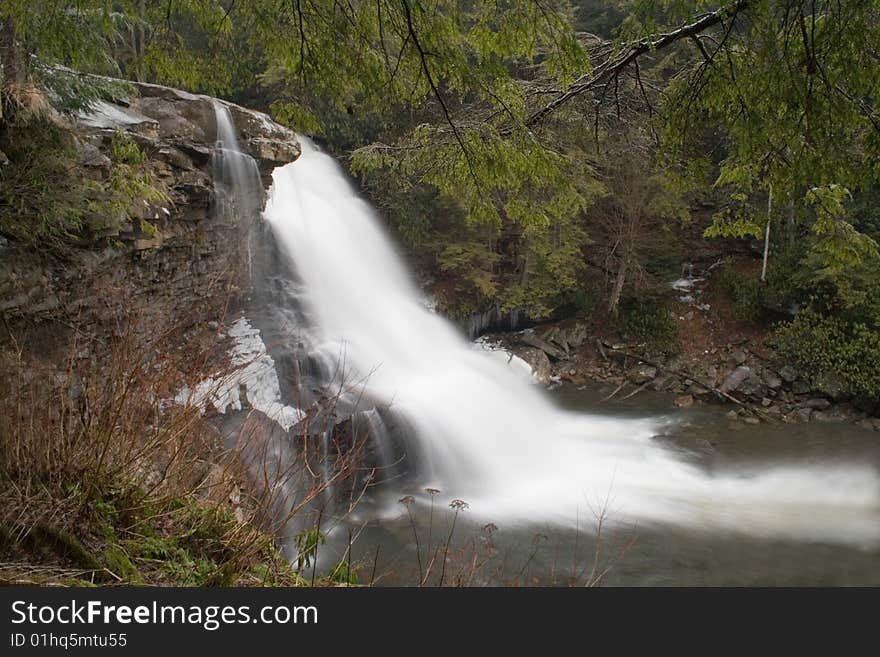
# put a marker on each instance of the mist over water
(485, 435)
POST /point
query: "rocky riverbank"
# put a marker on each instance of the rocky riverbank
(740, 373)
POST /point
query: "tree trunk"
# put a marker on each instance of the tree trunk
(767, 235)
(11, 64)
(141, 47)
(619, 281)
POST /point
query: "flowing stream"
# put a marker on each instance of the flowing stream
(483, 434)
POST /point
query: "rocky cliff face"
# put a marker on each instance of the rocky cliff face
(184, 264)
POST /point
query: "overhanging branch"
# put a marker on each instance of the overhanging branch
(612, 67)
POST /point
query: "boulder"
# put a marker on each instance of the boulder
(753, 387)
(91, 156)
(832, 385)
(866, 405)
(163, 115)
(745, 382)
(529, 338)
(182, 263)
(274, 152)
(739, 356)
(685, 401)
(556, 338)
(577, 334)
(696, 390)
(771, 380)
(538, 361)
(828, 416)
(817, 403)
(735, 379)
(641, 373)
(788, 373)
(664, 381)
(110, 116)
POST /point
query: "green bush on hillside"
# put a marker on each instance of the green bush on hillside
(647, 321)
(824, 347)
(746, 292)
(47, 201)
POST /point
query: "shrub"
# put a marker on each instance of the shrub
(829, 347)
(746, 292)
(47, 200)
(103, 480)
(648, 321)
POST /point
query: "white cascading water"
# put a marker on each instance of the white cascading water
(238, 189)
(490, 438)
(238, 193)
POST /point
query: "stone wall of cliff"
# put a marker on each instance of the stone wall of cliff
(186, 267)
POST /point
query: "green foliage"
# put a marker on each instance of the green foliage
(363, 54)
(583, 300)
(841, 264)
(736, 219)
(864, 211)
(499, 187)
(553, 267)
(75, 34)
(647, 321)
(663, 263)
(130, 183)
(343, 573)
(177, 563)
(42, 196)
(307, 543)
(784, 101)
(116, 560)
(72, 92)
(472, 265)
(47, 201)
(493, 179)
(746, 290)
(124, 150)
(436, 101)
(296, 117)
(823, 346)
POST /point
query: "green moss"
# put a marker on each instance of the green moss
(64, 545)
(117, 562)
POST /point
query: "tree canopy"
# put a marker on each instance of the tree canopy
(503, 113)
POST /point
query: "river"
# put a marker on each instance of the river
(541, 553)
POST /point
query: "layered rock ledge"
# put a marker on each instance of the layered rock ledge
(179, 260)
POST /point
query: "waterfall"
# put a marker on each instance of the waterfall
(238, 190)
(484, 434)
